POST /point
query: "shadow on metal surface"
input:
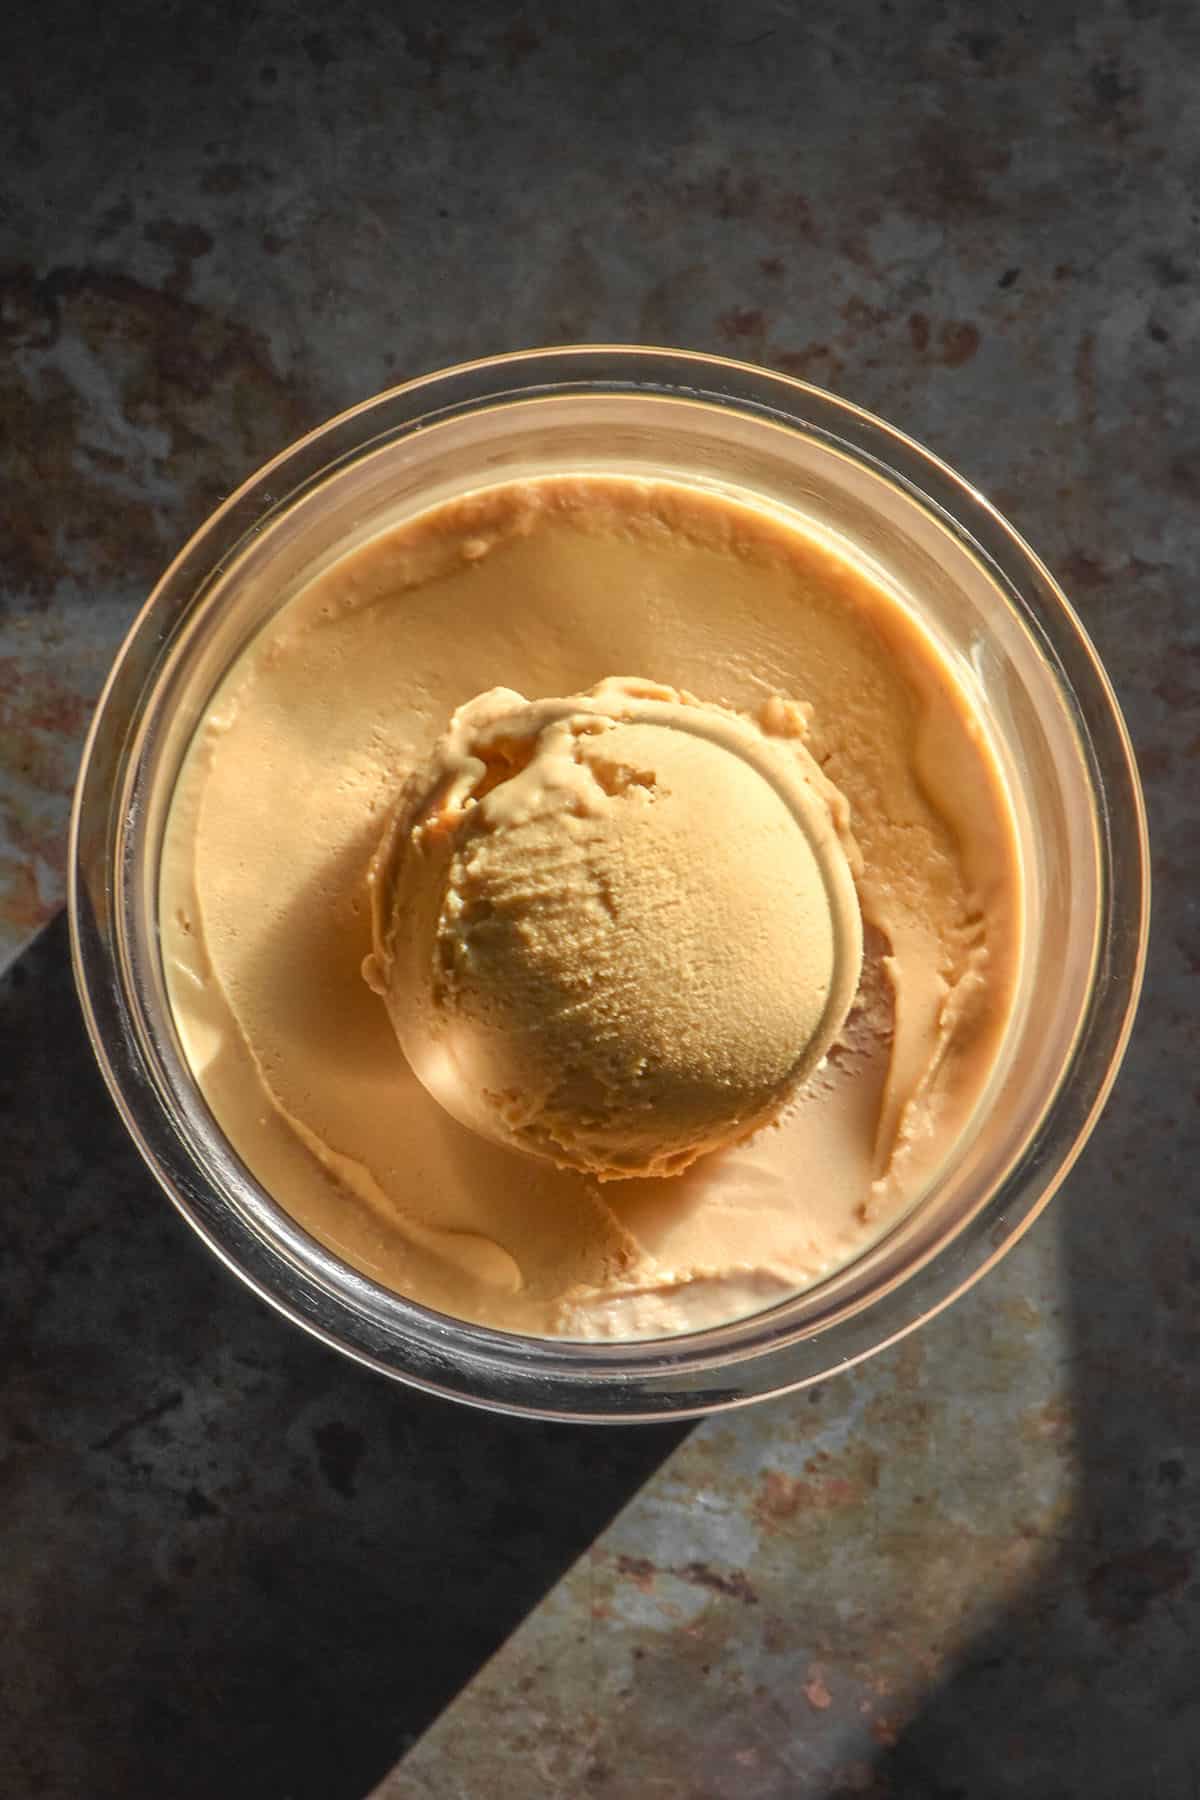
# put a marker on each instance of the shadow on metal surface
(1088, 1685)
(234, 1563)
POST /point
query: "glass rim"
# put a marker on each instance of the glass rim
(639, 1379)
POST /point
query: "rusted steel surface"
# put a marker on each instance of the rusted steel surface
(773, 1613)
(128, 413)
(966, 1569)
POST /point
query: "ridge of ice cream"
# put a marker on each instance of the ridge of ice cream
(292, 776)
(618, 929)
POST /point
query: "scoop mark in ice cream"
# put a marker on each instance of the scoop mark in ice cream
(550, 584)
(619, 929)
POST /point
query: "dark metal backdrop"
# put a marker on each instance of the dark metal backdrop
(232, 1565)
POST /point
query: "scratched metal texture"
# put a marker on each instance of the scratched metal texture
(238, 1566)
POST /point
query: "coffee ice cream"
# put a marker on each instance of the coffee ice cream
(620, 929)
(683, 870)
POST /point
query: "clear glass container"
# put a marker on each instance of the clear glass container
(1001, 619)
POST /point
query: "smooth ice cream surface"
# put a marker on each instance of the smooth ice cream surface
(619, 929)
(571, 847)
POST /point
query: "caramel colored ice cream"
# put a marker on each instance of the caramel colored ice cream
(617, 930)
(753, 916)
